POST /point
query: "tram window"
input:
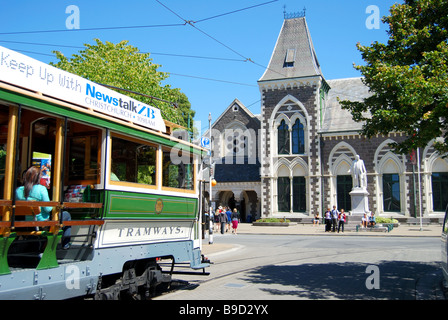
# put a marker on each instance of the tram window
(83, 154)
(43, 135)
(133, 162)
(178, 172)
(4, 116)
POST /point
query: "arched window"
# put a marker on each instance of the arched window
(344, 184)
(298, 138)
(439, 183)
(284, 194)
(283, 138)
(299, 194)
(391, 192)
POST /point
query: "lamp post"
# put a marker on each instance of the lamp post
(419, 188)
(210, 227)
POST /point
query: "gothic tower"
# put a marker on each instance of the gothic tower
(293, 92)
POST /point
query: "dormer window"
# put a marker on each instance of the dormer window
(290, 57)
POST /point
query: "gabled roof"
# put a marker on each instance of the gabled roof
(229, 108)
(242, 109)
(294, 55)
(336, 119)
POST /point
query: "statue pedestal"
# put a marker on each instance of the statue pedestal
(360, 201)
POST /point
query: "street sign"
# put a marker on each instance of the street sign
(205, 143)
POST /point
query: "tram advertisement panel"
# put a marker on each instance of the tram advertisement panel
(23, 71)
(115, 233)
(43, 162)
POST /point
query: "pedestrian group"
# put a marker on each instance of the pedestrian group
(335, 219)
(226, 219)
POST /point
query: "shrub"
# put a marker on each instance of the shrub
(273, 220)
(386, 220)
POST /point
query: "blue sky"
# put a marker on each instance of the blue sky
(335, 26)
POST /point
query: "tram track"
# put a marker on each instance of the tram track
(190, 285)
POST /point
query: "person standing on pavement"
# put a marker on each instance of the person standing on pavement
(229, 220)
(235, 217)
(223, 221)
(217, 214)
(327, 217)
(342, 219)
(334, 218)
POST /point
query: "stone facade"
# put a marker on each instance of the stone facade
(297, 182)
(235, 153)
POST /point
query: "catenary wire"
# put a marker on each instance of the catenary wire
(134, 27)
(189, 22)
(192, 23)
(174, 74)
(153, 53)
(239, 10)
(94, 29)
(210, 79)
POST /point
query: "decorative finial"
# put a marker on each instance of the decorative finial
(300, 14)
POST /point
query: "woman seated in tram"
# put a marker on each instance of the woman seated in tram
(32, 190)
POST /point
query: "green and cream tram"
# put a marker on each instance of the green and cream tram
(110, 161)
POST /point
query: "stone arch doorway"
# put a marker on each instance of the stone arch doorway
(227, 198)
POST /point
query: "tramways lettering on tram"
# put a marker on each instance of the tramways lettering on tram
(146, 231)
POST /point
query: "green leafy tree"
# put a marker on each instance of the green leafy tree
(123, 66)
(408, 77)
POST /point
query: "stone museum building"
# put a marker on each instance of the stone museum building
(293, 159)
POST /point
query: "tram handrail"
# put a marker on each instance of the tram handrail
(23, 203)
(34, 204)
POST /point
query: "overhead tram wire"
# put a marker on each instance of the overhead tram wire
(42, 44)
(153, 99)
(174, 104)
(94, 29)
(33, 52)
(189, 22)
(210, 79)
(152, 53)
(134, 27)
(174, 74)
(192, 23)
(235, 11)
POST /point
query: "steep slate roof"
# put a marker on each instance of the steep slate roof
(336, 119)
(294, 45)
(220, 123)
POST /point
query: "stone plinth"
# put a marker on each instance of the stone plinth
(360, 201)
(360, 205)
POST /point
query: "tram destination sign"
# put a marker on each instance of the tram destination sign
(26, 72)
